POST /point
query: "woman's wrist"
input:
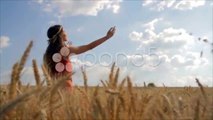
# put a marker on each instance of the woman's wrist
(106, 37)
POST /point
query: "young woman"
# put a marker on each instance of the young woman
(56, 57)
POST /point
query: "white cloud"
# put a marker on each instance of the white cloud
(115, 7)
(148, 33)
(178, 52)
(150, 25)
(4, 41)
(173, 4)
(184, 5)
(148, 2)
(81, 7)
(167, 38)
(181, 61)
(77, 62)
(135, 36)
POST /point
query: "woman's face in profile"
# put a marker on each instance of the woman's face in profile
(64, 35)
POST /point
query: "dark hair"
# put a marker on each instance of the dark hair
(54, 45)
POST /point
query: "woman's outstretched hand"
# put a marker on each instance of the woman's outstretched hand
(111, 32)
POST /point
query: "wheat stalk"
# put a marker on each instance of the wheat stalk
(13, 83)
(122, 84)
(115, 81)
(46, 75)
(85, 78)
(16, 72)
(36, 73)
(104, 85)
(201, 88)
(23, 60)
(111, 76)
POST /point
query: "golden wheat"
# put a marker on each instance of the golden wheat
(36, 73)
(114, 101)
(84, 78)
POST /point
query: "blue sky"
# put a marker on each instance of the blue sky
(140, 25)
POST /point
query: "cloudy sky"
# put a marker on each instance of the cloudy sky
(165, 42)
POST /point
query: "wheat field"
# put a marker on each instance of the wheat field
(112, 100)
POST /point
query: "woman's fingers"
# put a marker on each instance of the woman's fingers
(111, 32)
(112, 29)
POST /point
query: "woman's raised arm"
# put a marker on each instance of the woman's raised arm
(84, 48)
